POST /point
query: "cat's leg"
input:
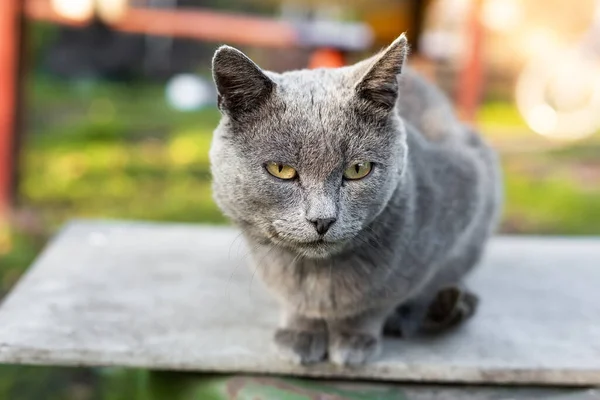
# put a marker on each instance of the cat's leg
(443, 303)
(356, 340)
(446, 308)
(301, 340)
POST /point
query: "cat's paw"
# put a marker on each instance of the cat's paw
(353, 348)
(451, 307)
(301, 347)
(407, 320)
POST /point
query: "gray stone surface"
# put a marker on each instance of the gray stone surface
(180, 297)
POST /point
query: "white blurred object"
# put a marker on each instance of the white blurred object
(559, 97)
(111, 11)
(502, 15)
(188, 92)
(441, 44)
(321, 25)
(558, 92)
(540, 42)
(341, 35)
(454, 10)
(78, 10)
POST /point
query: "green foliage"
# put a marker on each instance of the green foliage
(501, 114)
(547, 194)
(39, 35)
(17, 252)
(117, 152)
(37, 383)
(40, 383)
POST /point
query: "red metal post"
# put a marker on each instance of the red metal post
(10, 24)
(471, 76)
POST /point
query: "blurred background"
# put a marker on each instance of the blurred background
(107, 110)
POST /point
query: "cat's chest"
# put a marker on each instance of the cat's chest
(321, 288)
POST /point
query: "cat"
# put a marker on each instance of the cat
(362, 197)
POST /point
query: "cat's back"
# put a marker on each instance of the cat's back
(453, 164)
(424, 106)
(435, 127)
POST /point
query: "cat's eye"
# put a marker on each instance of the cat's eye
(358, 170)
(281, 171)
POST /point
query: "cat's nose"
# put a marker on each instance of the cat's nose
(322, 225)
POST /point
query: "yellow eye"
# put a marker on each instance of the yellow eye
(281, 171)
(358, 170)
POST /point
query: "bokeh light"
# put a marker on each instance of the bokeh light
(78, 10)
(188, 92)
(112, 10)
(539, 42)
(502, 15)
(560, 96)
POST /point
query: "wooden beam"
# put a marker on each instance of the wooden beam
(10, 30)
(211, 26)
(191, 24)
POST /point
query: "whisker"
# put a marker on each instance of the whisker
(231, 245)
(258, 265)
(368, 228)
(241, 259)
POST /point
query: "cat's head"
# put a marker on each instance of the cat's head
(307, 159)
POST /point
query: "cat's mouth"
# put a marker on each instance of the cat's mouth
(316, 248)
(307, 244)
(319, 248)
(316, 242)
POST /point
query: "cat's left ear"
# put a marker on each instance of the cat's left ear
(379, 85)
(241, 84)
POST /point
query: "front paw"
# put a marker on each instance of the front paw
(301, 347)
(353, 348)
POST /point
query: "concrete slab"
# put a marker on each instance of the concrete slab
(179, 297)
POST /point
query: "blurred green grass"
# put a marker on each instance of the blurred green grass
(101, 150)
(116, 151)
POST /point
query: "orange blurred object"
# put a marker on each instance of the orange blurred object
(9, 54)
(471, 76)
(326, 58)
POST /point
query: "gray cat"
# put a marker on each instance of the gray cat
(363, 199)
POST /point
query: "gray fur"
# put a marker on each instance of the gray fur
(416, 224)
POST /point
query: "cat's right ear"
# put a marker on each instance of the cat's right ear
(241, 84)
(379, 84)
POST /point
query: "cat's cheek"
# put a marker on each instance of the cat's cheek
(273, 197)
(366, 191)
(353, 209)
(367, 199)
